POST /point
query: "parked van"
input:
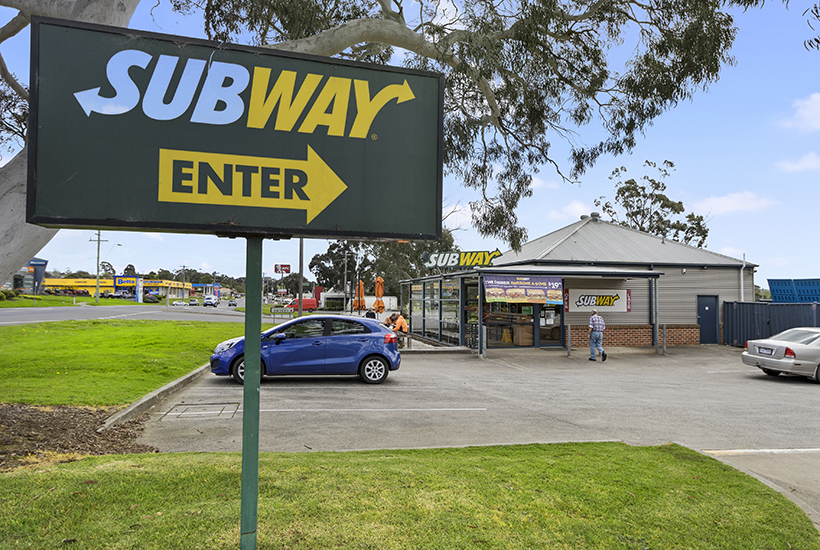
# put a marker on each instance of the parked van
(308, 304)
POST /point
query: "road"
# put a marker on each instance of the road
(25, 315)
(702, 397)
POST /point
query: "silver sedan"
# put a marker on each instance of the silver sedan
(793, 351)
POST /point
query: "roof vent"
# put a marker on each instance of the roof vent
(596, 216)
(584, 216)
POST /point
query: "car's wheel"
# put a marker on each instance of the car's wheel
(310, 311)
(817, 374)
(373, 370)
(771, 372)
(238, 370)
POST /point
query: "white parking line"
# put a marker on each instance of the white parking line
(212, 413)
(731, 452)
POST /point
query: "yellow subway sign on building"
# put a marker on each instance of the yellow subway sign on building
(188, 135)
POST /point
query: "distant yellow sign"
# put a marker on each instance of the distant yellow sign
(237, 180)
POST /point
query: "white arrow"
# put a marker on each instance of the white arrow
(126, 93)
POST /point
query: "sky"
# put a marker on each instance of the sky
(746, 154)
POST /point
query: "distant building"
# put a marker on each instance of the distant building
(163, 288)
(640, 283)
(29, 280)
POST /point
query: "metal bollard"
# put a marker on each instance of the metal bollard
(664, 338)
(569, 340)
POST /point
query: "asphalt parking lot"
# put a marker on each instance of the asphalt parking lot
(703, 398)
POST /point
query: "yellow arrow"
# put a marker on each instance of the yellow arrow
(195, 177)
(367, 109)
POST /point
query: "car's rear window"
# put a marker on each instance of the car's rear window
(797, 336)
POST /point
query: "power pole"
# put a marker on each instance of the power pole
(184, 267)
(344, 290)
(99, 240)
(301, 258)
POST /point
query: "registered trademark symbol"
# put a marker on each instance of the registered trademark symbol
(374, 137)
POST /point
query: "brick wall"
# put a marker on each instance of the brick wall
(639, 335)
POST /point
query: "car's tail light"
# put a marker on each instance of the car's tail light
(391, 338)
(789, 353)
(746, 347)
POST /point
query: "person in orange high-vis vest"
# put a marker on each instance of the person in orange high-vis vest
(397, 323)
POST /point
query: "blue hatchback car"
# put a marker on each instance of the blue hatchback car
(317, 344)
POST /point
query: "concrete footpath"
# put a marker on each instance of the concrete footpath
(703, 398)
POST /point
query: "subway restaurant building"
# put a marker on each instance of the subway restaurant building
(648, 289)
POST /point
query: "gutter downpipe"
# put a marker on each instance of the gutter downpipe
(655, 326)
(742, 268)
(652, 284)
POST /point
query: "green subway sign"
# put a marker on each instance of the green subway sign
(163, 133)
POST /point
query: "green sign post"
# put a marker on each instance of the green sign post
(162, 133)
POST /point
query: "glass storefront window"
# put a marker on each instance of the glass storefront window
(415, 291)
(450, 290)
(449, 333)
(415, 316)
(449, 311)
(431, 290)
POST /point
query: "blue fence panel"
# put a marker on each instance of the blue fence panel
(743, 321)
(786, 316)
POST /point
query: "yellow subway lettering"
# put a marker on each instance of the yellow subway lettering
(261, 105)
(335, 97)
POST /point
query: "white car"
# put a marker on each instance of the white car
(793, 351)
(179, 303)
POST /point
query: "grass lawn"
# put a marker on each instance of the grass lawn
(101, 363)
(568, 496)
(60, 301)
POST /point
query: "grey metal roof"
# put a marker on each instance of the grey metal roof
(570, 271)
(595, 240)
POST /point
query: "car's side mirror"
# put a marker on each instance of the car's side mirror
(279, 336)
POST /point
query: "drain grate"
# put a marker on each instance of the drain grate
(202, 410)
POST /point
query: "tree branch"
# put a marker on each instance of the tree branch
(18, 23)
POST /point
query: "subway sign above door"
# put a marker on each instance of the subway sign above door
(165, 133)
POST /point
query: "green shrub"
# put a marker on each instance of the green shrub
(9, 294)
(150, 299)
(2, 296)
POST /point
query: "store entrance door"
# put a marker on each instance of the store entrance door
(550, 323)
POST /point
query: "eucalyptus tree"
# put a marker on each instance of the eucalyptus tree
(645, 206)
(522, 77)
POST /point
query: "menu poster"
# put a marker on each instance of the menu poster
(523, 289)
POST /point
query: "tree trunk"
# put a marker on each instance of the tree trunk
(20, 241)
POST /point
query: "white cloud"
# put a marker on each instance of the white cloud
(206, 267)
(572, 211)
(733, 202)
(457, 216)
(807, 114)
(538, 183)
(809, 161)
